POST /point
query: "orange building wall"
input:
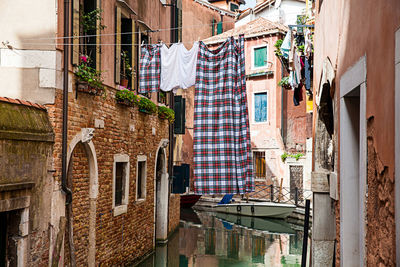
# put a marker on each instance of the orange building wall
(345, 31)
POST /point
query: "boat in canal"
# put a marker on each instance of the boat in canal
(257, 209)
(275, 226)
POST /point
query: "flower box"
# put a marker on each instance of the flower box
(125, 102)
(145, 111)
(87, 88)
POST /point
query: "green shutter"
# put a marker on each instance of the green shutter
(213, 27)
(219, 27)
(260, 57)
(179, 108)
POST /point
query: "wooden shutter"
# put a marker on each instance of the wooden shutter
(98, 39)
(133, 53)
(178, 182)
(117, 45)
(179, 108)
(75, 32)
(219, 27)
(213, 27)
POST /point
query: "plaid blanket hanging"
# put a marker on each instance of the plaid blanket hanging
(149, 69)
(222, 153)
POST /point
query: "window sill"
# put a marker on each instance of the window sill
(121, 209)
(140, 200)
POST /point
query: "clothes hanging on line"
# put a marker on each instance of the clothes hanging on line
(149, 69)
(178, 66)
(307, 42)
(222, 149)
(286, 44)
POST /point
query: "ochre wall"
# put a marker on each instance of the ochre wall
(345, 31)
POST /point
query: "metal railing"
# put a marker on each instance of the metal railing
(296, 196)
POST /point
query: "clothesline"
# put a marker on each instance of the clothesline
(148, 31)
(112, 34)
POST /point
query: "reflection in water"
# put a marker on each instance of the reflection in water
(205, 239)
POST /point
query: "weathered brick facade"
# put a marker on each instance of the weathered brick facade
(129, 236)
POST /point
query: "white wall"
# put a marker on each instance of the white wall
(286, 13)
(30, 65)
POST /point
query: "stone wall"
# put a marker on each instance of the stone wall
(26, 141)
(120, 130)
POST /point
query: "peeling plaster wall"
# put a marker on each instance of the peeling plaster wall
(345, 31)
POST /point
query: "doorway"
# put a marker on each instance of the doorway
(162, 193)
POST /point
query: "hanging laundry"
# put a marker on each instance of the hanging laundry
(149, 69)
(178, 66)
(307, 73)
(222, 150)
(298, 95)
(286, 44)
(307, 42)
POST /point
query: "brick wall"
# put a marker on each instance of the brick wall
(174, 212)
(130, 235)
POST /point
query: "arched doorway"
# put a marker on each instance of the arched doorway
(161, 196)
(83, 168)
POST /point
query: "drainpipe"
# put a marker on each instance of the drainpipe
(64, 186)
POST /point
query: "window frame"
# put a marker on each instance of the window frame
(141, 158)
(253, 61)
(265, 166)
(254, 107)
(123, 207)
(233, 4)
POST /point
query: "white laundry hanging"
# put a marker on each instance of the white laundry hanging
(178, 66)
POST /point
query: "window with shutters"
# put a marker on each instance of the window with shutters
(120, 184)
(259, 57)
(219, 27)
(259, 165)
(86, 27)
(213, 25)
(179, 108)
(260, 108)
(126, 49)
(141, 177)
(233, 7)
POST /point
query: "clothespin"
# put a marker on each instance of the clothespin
(142, 42)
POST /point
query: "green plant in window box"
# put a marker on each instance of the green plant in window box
(89, 79)
(166, 113)
(285, 83)
(126, 97)
(285, 155)
(146, 105)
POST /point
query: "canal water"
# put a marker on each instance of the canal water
(208, 239)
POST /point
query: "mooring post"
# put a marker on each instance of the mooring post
(272, 192)
(305, 236)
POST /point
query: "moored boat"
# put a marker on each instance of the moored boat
(257, 209)
(188, 200)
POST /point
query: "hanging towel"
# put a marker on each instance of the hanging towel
(178, 66)
(149, 69)
(285, 47)
(222, 151)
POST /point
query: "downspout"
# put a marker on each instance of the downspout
(64, 186)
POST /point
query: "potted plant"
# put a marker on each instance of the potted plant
(166, 113)
(146, 105)
(89, 79)
(126, 69)
(285, 83)
(126, 97)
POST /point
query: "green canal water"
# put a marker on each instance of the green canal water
(207, 239)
